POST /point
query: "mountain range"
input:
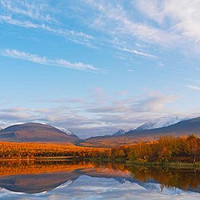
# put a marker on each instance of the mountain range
(181, 128)
(36, 132)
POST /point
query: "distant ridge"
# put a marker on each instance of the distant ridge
(185, 127)
(36, 132)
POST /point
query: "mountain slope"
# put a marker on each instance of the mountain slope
(159, 123)
(35, 132)
(186, 127)
(119, 132)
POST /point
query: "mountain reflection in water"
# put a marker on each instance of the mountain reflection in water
(39, 177)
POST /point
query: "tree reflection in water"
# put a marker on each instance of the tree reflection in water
(39, 176)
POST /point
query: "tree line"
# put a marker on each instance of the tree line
(165, 149)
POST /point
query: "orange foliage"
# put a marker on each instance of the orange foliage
(167, 148)
(32, 150)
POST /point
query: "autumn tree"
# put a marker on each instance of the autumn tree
(165, 155)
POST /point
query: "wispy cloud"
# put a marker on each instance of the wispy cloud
(9, 20)
(37, 15)
(24, 14)
(34, 10)
(136, 52)
(13, 53)
(118, 26)
(155, 102)
(164, 24)
(157, 25)
(117, 21)
(74, 36)
(193, 87)
(181, 16)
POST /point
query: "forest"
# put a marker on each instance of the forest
(165, 149)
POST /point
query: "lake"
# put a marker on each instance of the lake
(86, 180)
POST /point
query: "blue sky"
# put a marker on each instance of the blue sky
(97, 66)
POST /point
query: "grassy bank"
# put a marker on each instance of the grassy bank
(174, 165)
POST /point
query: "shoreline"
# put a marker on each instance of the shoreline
(171, 165)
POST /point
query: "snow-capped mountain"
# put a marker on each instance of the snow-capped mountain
(68, 132)
(160, 123)
(35, 132)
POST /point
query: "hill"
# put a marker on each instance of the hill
(36, 132)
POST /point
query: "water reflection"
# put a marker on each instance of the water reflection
(48, 177)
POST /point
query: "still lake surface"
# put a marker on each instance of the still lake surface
(85, 180)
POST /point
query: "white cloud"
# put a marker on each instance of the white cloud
(157, 25)
(140, 53)
(155, 102)
(33, 9)
(194, 87)
(100, 113)
(182, 16)
(177, 23)
(120, 29)
(74, 36)
(118, 22)
(8, 19)
(44, 61)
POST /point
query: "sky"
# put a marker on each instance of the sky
(96, 66)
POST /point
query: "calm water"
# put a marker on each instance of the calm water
(71, 180)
